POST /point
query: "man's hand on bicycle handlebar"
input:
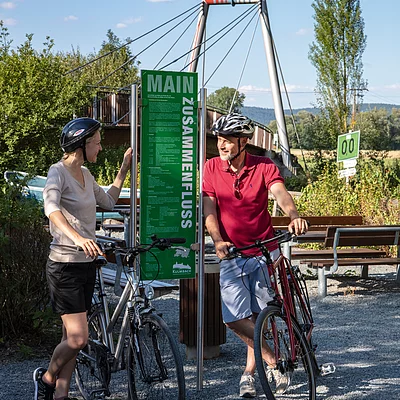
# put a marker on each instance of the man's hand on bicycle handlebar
(298, 226)
(222, 249)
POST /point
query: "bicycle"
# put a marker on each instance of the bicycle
(285, 327)
(146, 347)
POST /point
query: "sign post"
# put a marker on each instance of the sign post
(168, 171)
(348, 149)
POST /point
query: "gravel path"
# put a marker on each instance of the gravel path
(357, 328)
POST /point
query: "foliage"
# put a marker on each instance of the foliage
(107, 165)
(37, 99)
(112, 67)
(24, 245)
(380, 130)
(223, 98)
(374, 192)
(336, 54)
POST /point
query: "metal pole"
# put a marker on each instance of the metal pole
(273, 77)
(200, 269)
(134, 144)
(198, 38)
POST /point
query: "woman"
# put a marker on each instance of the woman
(70, 198)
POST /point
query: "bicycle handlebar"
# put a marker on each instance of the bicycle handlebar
(280, 237)
(160, 243)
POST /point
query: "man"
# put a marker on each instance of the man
(235, 189)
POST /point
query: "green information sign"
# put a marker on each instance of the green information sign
(168, 171)
(348, 146)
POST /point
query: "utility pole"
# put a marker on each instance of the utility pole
(357, 92)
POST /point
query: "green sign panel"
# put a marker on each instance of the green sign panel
(168, 171)
(348, 146)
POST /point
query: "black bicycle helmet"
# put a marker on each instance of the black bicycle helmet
(235, 125)
(75, 133)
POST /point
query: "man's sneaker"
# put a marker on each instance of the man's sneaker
(43, 391)
(282, 381)
(247, 386)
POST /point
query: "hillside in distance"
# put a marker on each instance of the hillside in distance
(266, 115)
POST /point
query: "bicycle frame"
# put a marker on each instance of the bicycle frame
(129, 297)
(281, 271)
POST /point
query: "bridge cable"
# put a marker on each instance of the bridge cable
(244, 66)
(130, 41)
(234, 26)
(242, 16)
(290, 105)
(132, 58)
(230, 49)
(177, 40)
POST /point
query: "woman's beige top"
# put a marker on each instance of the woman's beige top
(78, 205)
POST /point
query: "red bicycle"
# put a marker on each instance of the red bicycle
(284, 329)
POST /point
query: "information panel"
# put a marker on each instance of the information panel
(168, 171)
(348, 146)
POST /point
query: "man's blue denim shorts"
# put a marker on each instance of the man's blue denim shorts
(245, 286)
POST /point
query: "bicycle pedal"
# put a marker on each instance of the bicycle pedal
(327, 369)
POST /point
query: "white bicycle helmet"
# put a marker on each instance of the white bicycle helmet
(235, 125)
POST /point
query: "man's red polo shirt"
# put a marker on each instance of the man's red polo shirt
(242, 221)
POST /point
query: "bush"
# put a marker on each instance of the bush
(107, 165)
(373, 193)
(24, 246)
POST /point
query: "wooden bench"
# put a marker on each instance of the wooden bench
(358, 237)
(318, 229)
(320, 223)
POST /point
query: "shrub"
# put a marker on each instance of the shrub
(108, 163)
(24, 245)
(373, 192)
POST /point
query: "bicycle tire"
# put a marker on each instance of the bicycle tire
(301, 317)
(92, 370)
(271, 328)
(155, 366)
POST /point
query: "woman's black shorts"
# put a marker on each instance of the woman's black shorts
(71, 286)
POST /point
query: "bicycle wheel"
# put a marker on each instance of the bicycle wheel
(271, 330)
(304, 318)
(92, 370)
(155, 367)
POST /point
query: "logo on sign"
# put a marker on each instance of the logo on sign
(179, 268)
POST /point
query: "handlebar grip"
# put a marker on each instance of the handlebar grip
(177, 240)
(232, 250)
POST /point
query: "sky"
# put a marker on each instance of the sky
(77, 24)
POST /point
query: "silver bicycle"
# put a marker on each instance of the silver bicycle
(145, 346)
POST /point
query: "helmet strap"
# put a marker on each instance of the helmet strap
(84, 151)
(240, 150)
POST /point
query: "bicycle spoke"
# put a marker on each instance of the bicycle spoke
(155, 368)
(92, 372)
(272, 331)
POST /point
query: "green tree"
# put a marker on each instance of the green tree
(37, 99)
(112, 67)
(336, 54)
(310, 133)
(222, 98)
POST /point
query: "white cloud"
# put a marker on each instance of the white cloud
(70, 18)
(251, 88)
(8, 5)
(9, 22)
(303, 31)
(394, 86)
(290, 88)
(124, 24)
